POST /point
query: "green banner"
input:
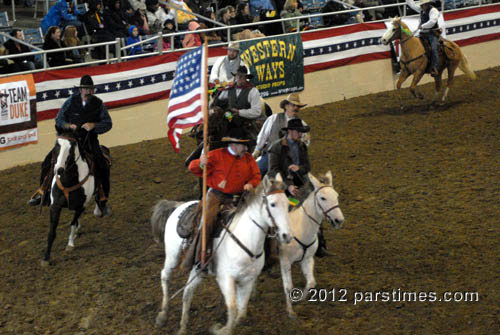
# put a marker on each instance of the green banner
(277, 64)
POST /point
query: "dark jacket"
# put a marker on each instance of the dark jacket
(55, 58)
(73, 112)
(11, 46)
(115, 23)
(280, 159)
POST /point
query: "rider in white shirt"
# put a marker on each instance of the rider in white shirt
(429, 26)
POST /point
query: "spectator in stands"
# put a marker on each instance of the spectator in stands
(70, 39)
(134, 38)
(140, 19)
(243, 13)
(7, 65)
(94, 21)
(192, 39)
(52, 40)
(211, 36)
(290, 10)
(59, 15)
(26, 63)
(114, 20)
(168, 28)
(180, 16)
(156, 15)
(257, 7)
(226, 16)
(334, 20)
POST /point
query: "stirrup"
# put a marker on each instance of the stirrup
(40, 192)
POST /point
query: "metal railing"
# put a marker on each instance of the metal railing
(118, 47)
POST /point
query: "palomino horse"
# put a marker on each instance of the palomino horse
(414, 61)
(305, 222)
(238, 252)
(72, 187)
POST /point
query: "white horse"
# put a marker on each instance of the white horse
(238, 252)
(305, 222)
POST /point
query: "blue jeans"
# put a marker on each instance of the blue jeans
(433, 41)
(263, 164)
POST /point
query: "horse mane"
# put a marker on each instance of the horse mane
(250, 197)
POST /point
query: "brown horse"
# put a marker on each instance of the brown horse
(414, 60)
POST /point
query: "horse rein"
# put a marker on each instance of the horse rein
(273, 227)
(316, 203)
(403, 41)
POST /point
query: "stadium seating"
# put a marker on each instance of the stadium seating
(33, 36)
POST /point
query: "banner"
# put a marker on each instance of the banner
(17, 111)
(277, 64)
(150, 78)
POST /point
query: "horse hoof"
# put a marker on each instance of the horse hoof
(97, 212)
(292, 315)
(161, 319)
(69, 248)
(44, 263)
(216, 329)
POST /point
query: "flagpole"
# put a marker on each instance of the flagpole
(204, 106)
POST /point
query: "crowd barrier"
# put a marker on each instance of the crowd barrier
(349, 52)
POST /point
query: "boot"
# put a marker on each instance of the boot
(322, 249)
(434, 72)
(36, 199)
(102, 209)
(271, 248)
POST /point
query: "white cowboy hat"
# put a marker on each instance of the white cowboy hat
(423, 2)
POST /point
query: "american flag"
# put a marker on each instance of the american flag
(185, 104)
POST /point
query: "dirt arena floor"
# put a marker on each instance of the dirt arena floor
(419, 188)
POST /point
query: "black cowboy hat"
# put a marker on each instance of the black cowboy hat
(239, 136)
(244, 71)
(296, 124)
(86, 82)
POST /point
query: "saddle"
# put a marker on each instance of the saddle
(187, 227)
(443, 60)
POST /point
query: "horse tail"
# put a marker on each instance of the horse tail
(161, 212)
(464, 63)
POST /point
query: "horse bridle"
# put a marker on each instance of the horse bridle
(273, 227)
(402, 41)
(67, 190)
(316, 203)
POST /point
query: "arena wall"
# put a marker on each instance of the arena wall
(147, 121)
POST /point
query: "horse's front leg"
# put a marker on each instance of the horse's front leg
(55, 213)
(195, 278)
(286, 276)
(307, 266)
(243, 292)
(416, 78)
(228, 288)
(402, 77)
(75, 226)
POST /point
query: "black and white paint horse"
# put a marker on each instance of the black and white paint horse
(73, 186)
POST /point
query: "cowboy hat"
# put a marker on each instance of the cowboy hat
(423, 2)
(233, 46)
(86, 82)
(293, 98)
(239, 136)
(296, 124)
(243, 70)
